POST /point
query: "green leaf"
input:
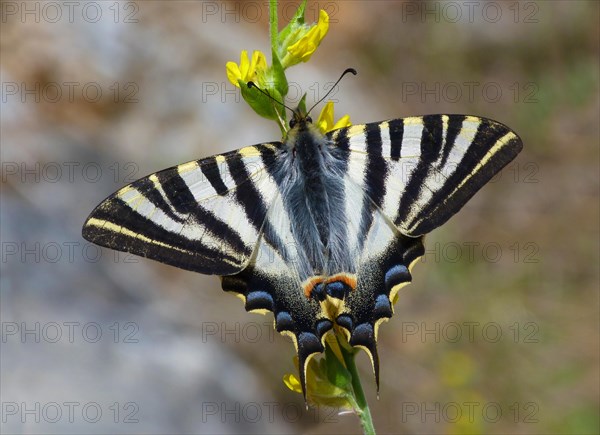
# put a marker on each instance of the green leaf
(278, 75)
(302, 105)
(336, 371)
(280, 84)
(260, 103)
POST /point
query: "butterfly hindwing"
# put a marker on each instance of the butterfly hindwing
(269, 284)
(383, 267)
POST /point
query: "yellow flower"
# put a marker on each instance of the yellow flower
(247, 70)
(325, 121)
(303, 49)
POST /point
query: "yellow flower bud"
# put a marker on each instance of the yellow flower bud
(303, 49)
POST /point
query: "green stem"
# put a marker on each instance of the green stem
(364, 413)
(273, 27)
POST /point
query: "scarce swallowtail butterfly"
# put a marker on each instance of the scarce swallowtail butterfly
(320, 229)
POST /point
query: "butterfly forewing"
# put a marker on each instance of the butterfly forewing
(433, 164)
(204, 215)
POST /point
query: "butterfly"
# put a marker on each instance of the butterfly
(320, 229)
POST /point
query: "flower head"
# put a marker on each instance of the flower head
(325, 121)
(248, 69)
(256, 70)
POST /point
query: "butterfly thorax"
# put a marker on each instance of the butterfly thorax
(313, 191)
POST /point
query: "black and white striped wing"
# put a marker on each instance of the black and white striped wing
(205, 215)
(411, 175)
(420, 171)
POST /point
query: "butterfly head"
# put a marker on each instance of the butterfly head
(300, 116)
(299, 119)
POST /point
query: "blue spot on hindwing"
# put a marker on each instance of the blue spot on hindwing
(259, 300)
(383, 307)
(309, 343)
(318, 291)
(345, 321)
(338, 289)
(284, 322)
(322, 326)
(363, 335)
(396, 275)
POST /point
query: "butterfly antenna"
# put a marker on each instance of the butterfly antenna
(266, 94)
(346, 71)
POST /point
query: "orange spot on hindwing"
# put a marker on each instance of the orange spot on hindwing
(336, 286)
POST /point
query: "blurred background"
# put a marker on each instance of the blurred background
(498, 332)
